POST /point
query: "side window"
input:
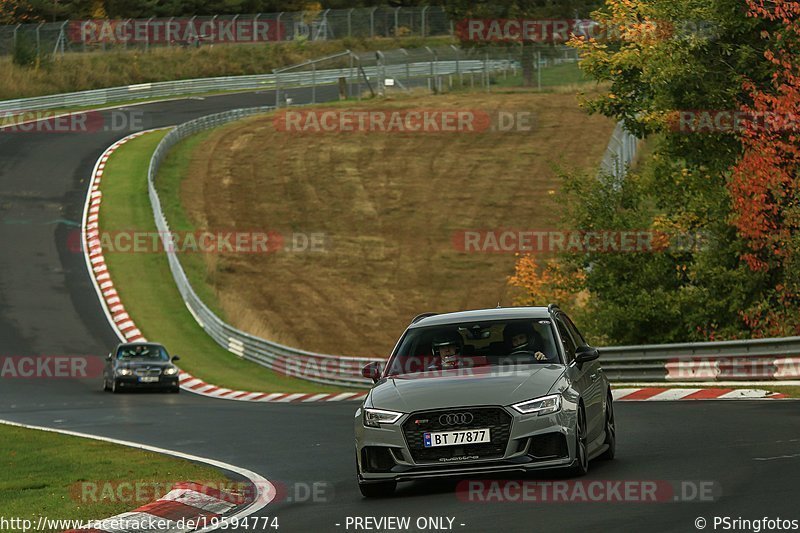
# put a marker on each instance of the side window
(579, 340)
(566, 337)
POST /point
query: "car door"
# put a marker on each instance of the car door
(596, 384)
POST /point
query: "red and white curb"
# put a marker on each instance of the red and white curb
(187, 507)
(198, 386)
(93, 251)
(186, 499)
(657, 394)
(123, 324)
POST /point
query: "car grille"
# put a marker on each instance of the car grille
(147, 372)
(497, 420)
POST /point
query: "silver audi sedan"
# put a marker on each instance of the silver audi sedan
(475, 392)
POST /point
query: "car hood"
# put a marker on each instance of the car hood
(454, 388)
(144, 364)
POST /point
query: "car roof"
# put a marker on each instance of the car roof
(480, 315)
(135, 344)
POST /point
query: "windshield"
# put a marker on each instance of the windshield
(501, 343)
(146, 351)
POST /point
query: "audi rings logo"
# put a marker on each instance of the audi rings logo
(455, 419)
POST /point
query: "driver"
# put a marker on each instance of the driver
(448, 349)
(522, 338)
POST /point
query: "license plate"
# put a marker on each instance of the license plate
(456, 438)
(148, 379)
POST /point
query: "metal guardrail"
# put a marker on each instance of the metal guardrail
(621, 152)
(167, 89)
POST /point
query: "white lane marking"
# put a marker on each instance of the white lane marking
(792, 456)
(265, 490)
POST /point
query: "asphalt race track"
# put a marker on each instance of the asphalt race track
(749, 450)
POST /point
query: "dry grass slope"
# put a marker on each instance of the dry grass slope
(389, 205)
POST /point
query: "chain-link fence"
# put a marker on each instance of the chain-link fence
(88, 35)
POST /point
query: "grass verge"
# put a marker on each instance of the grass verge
(40, 473)
(148, 291)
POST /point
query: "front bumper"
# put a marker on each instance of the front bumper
(533, 443)
(132, 382)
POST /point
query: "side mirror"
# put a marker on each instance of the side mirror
(108, 357)
(585, 354)
(372, 371)
(176, 357)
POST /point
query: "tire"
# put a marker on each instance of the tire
(377, 490)
(105, 385)
(175, 390)
(581, 465)
(611, 432)
(114, 387)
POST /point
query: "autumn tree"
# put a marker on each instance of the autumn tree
(664, 57)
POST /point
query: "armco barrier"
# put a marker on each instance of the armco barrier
(168, 89)
(776, 359)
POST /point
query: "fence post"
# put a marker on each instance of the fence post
(147, 34)
(372, 22)
(278, 23)
(313, 82)
(424, 11)
(277, 88)
(255, 27)
(539, 69)
(350, 22)
(38, 41)
(396, 21)
(324, 25)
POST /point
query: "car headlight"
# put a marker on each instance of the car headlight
(543, 406)
(124, 372)
(170, 371)
(375, 417)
